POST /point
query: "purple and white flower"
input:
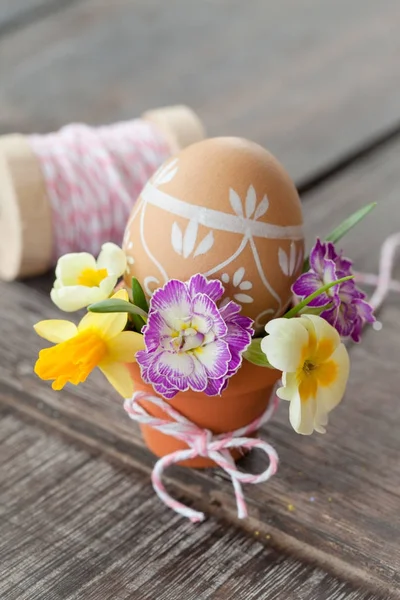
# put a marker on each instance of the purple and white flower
(190, 342)
(346, 307)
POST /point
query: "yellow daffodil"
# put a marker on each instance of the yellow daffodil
(315, 367)
(81, 280)
(98, 341)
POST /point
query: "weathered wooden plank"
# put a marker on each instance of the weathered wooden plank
(310, 80)
(344, 486)
(19, 13)
(74, 526)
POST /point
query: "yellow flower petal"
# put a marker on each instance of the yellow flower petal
(108, 324)
(118, 376)
(327, 337)
(123, 347)
(56, 330)
(284, 346)
(112, 258)
(331, 394)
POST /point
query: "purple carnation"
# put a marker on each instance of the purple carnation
(190, 342)
(348, 310)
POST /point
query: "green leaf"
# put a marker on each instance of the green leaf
(138, 297)
(255, 355)
(315, 310)
(138, 322)
(349, 223)
(117, 306)
(341, 230)
(299, 307)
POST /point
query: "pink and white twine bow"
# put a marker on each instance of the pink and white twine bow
(202, 442)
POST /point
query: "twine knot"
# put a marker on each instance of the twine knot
(201, 442)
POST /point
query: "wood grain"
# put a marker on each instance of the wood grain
(308, 79)
(343, 487)
(15, 14)
(74, 526)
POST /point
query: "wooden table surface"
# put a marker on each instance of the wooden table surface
(318, 83)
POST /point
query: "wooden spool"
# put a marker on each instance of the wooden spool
(26, 236)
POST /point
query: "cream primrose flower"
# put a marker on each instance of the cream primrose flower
(315, 366)
(98, 341)
(81, 280)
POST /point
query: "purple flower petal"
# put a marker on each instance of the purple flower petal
(357, 330)
(307, 284)
(229, 310)
(203, 305)
(198, 379)
(317, 258)
(173, 303)
(190, 342)
(155, 329)
(175, 364)
(364, 310)
(216, 386)
(215, 358)
(198, 284)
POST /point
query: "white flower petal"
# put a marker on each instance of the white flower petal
(245, 285)
(236, 202)
(205, 245)
(225, 277)
(112, 258)
(251, 200)
(70, 266)
(238, 276)
(108, 284)
(301, 415)
(189, 240)
(289, 388)
(175, 365)
(75, 297)
(285, 343)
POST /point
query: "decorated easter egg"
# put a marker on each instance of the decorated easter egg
(226, 208)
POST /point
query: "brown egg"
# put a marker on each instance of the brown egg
(226, 208)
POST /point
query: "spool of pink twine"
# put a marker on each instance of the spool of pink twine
(93, 177)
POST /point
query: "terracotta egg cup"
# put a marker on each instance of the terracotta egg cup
(246, 398)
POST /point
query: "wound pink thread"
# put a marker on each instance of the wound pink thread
(93, 177)
(201, 442)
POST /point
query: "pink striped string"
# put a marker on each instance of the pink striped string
(201, 442)
(383, 281)
(93, 177)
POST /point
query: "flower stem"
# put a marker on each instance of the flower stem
(296, 309)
